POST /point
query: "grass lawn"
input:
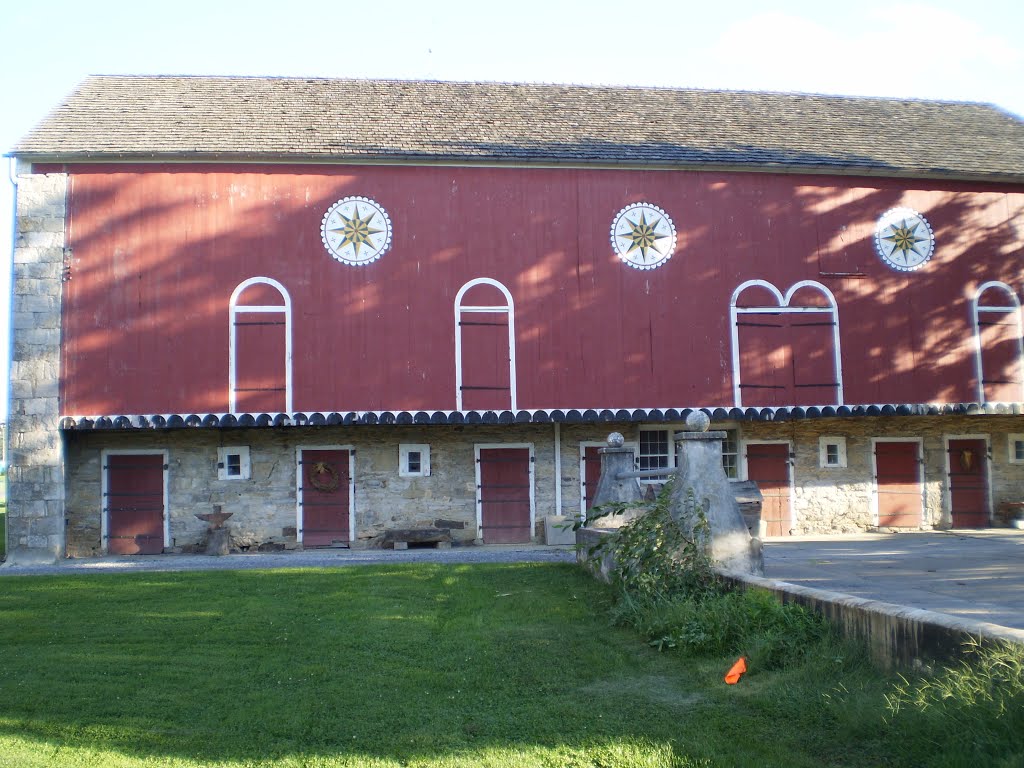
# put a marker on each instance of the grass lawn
(405, 665)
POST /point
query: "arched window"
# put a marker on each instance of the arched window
(785, 349)
(998, 344)
(260, 348)
(485, 347)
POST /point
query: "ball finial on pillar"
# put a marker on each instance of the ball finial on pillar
(698, 421)
(616, 440)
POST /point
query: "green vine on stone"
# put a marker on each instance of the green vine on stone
(653, 556)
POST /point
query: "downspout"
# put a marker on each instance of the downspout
(558, 468)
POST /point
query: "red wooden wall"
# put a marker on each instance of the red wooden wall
(158, 250)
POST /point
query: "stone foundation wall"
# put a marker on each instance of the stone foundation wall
(264, 507)
(35, 519)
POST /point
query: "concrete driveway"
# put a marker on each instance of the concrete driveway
(976, 574)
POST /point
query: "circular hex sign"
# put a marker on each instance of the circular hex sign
(356, 231)
(643, 236)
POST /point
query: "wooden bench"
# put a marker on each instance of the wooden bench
(401, 538)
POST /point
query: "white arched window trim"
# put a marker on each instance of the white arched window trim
(509, 309)
(977, 311)
(235, 310)
(782, 308)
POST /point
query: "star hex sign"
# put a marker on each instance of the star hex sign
(904, 240)
(643, 236)
(356, 231)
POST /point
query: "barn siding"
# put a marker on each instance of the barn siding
(158, 251)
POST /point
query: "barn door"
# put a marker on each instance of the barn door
(768, 466)
(259, 349)
(505, 494)
(324, 497)
(133, 501)
(967, 459)
(485, 351)
(898, 488)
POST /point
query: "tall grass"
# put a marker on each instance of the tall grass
(967, 714)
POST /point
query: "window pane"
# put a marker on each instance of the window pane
(1018, 449)
(831, 453)
(654, 449)
(234, 464)
(414, 461)
(730, 454)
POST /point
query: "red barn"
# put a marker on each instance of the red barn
(338, 307)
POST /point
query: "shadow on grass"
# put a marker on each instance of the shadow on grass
(389, 665)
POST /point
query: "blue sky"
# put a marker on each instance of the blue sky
(937, 50)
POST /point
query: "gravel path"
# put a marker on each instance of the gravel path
(322, 558)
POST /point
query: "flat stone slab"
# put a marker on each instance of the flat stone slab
(970, 574)
(401, 538)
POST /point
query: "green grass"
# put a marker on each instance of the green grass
(405, 665)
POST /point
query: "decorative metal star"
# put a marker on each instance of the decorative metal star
(642, 235)
(904, 238)
(356, 231)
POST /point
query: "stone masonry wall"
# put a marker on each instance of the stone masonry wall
(35, 520)
(264, 506)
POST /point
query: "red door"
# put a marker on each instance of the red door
(968, 483)
(898, 484)
(324, 497)
(768, 466)
(261, 349)
(134, 503)
(505, 484)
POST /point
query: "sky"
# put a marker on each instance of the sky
(960, 51)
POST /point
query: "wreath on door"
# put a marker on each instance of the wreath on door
(324, 477)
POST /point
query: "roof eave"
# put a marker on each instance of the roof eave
(424, 159)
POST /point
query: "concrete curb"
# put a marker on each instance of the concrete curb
(895, 634)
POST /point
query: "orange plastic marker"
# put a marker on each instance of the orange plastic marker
(736, 671)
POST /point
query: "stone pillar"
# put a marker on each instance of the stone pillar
(35, 480)
(616, 459)
(701, 483)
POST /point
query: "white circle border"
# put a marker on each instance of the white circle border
(378, 252)
(619, 251)
(886, 220)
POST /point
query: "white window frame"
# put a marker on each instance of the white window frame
(977, 310)
(351, 486)
(477, 447)
(1013, 439)
(671, 429)
(739, 449)
(510, 310)
(234, 310)
(782, 307)
(823, 443)
(404, 449)
(104, 521)
(245, 463)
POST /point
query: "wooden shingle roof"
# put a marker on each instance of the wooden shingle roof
(326, 120)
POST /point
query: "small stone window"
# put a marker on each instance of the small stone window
(414, 460)
(832, 452)
(1017, 449)
(233, 463)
